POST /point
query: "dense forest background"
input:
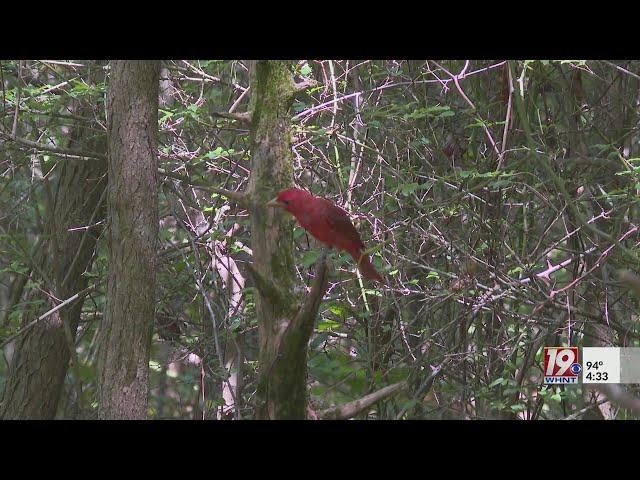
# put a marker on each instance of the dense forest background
(141, 275)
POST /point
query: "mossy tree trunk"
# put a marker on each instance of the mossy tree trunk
(284, 329)
(123, 365)
(38, 369)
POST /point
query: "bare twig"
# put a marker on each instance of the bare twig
(456, 82)
(604, 254)
(624, 70)
(507, 121)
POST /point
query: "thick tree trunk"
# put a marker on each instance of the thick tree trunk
(38, 368)
(123, 365)
(282, 392)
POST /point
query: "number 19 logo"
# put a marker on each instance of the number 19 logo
(561, 365)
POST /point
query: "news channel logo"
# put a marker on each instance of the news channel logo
(561, 365)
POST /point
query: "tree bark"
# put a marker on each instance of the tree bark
(123, 364)
(41, 360)
(284, 331)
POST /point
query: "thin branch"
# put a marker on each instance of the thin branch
(456, 82)
(427, 384)
(604, 254)
(57, 62)
(71, 299)
(85, 235)
(239, 197)
(307, 83)
(351, 409)
(16, 113)
(244, 117)
(507, 121)
(624, 70)
(63, 152)
(211, 78)
(233, 107)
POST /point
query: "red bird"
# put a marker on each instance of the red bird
(327, 223)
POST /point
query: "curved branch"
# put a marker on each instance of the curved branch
(305, 318)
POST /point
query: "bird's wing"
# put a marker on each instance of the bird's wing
(338, 220)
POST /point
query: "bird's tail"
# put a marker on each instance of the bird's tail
(366, 268)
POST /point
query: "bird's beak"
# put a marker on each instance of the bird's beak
(275, 203)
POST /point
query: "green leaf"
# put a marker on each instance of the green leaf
(409, 404)
(495, 382)
(327, 324)
(436, 111)
(212, 154)
(374, 293)
(338, 310)
(407, 189)
(305, 70)
(433, 275)
(309, 258)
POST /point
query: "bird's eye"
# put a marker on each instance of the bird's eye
(286, 202)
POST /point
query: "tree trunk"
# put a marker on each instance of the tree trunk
(282, 391)
(38, 368)
(123, 365)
